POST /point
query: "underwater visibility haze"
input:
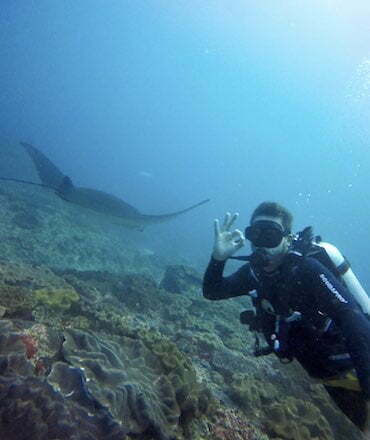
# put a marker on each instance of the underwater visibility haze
(162, 104)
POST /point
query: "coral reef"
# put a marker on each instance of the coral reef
(123, 375)
(251, 393)
(18, 280)
(56, 298)
(26, 220)
(192, 397)
(96, 343)
(180, 279)
(295, 419)
(137, 292)
(229, 424)
(30, 408)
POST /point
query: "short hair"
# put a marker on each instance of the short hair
(274, 209)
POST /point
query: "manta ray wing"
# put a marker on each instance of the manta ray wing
(50, 175)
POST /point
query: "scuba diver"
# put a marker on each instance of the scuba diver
(308, 303)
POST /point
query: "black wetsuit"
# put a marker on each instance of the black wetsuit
(332, 336)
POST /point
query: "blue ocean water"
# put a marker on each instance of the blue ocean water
(166, 103)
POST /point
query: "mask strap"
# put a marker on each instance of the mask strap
(241, 258)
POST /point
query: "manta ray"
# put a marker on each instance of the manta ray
(93, 199)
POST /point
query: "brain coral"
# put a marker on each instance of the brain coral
(295, 419)
(96, 388)
(124, 376)
(192, 397)
(32, 409)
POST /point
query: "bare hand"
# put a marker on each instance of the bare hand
(227, 242)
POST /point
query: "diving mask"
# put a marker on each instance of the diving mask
(265, 234)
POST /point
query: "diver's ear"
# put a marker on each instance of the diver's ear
(289, 238)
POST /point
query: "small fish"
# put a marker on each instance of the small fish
(145, 174)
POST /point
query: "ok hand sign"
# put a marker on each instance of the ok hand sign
(227, 242)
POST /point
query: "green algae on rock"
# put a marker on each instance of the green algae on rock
(59, 299)
(181, 279)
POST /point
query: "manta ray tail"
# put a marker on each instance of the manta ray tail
(165, 217)
(11, 179)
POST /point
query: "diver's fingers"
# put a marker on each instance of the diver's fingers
(217, 227)
(225, 225)
(232, 219)
(238, 235)
(238, 239)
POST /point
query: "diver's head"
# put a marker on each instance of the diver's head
(270, 234)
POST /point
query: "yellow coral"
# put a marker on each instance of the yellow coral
(61, 299)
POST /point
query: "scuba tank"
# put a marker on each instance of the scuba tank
(332, 258)
(347, 276)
